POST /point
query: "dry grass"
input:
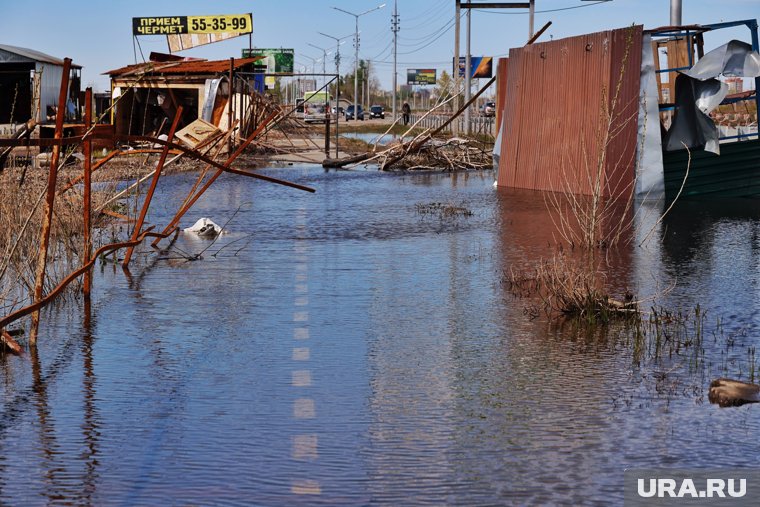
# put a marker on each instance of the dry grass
(564, 286)
(21, 212)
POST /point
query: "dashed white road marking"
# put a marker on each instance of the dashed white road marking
(301, 333)
(303, 408)
(305, 487)
(305, 447)
(302, 301)
(300, 316)
(301, 378)
(301, 353)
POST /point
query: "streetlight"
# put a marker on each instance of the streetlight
(324, 55)
(356, 44)
(338, 42)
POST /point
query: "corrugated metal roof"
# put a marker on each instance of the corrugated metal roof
(553, 122)
(175, 68)
(34, 55)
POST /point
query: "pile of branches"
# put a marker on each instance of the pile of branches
(449, 155)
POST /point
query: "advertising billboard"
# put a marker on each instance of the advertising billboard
(421, 76)
(185, 32)
(480, 66)
(185, 25)
(278, 60)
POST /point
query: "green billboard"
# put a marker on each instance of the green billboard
(278, 60)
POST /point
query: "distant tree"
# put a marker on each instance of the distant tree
(445, 85)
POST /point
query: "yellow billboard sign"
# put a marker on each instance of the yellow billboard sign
(187, 25)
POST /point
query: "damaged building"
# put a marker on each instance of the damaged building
(29, 86)
(147, 95)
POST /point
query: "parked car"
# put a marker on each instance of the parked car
(336, 110)
(488, 109)
(376, 112)
(350, 113)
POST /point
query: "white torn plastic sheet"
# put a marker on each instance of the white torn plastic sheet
(205, 228)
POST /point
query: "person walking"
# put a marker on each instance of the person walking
(405, 112)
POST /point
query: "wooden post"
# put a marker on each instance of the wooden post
(153, 183)
(327, 133)
(47, 218)
(86, 236)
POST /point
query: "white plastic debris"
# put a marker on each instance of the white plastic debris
(205, 228)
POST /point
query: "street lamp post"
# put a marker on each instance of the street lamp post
(338, 42)
(324, 57)
(356, 44)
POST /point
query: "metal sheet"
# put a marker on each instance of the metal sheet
(554, 126)
(10, 53)
(190, 67)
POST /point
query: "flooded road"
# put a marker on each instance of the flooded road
(340, 348)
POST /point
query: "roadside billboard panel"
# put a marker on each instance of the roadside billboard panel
(278, 60)
(480, 66)
(421, 77)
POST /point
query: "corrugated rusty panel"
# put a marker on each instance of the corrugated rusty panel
(625, 76)
(554, 124)
(191, 67)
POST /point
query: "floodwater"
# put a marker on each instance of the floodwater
(373, 138)
(340, 348)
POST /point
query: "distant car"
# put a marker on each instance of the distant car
(314, 113)
(376, 112)
(488, 109)
(337, 110)
(350, 113)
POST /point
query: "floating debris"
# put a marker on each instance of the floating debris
(205, 228)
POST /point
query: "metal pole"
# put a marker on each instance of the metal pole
(675, 13)
(366, 82)
(47, 218)
(229, 101)
(152, 189)
(86, 236)
(337, 94)
(395, 28)
(530, 22)
(454, 129)
(356, 70)
(467, 74)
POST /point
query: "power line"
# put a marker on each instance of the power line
(539, 12)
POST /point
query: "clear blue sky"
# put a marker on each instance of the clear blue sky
(98, 35)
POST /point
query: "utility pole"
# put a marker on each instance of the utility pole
(454, 129)
(467, 75)
(395, 29)
(366, 80)
(532, 9)
(675, 12)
